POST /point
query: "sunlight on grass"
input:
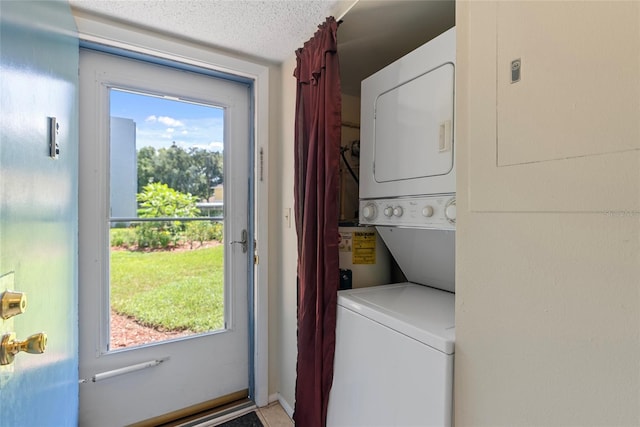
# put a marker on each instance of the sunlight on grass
(170, 290)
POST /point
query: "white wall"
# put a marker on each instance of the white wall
(547, 297)
(283, 305)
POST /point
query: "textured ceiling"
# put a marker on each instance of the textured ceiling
(271, 30)
(373, 33)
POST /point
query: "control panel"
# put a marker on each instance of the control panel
(437, 212)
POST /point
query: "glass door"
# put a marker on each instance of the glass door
(164, 193)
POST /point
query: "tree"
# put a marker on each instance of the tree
(195, 171)
(209, 166)
(146, 166)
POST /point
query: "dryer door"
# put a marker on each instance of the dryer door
(413, 133)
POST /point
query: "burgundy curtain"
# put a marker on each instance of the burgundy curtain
(317, 161)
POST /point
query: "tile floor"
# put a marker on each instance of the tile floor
(274, 416)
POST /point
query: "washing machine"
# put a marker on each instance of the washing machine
(395, 343)
(394, 357)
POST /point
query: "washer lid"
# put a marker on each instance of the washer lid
(419, 312)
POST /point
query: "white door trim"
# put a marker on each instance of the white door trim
(118, 35)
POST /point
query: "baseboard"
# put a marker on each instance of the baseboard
(277, 397)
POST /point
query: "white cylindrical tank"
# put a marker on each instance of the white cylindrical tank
(364, 253)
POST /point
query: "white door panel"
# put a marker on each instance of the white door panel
(192, 369)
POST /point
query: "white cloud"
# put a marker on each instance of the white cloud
(204, 133)
(212, 146)
(168, 121)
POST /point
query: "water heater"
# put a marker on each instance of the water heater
(365, 256)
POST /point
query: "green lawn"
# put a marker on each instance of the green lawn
(170, 290)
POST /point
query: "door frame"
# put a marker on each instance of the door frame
(137, 43)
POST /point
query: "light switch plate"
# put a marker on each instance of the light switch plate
(287, 217)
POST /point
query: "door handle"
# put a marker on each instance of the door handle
(9, 347)
(243, 242)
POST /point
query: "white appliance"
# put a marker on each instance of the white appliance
(394, 357)
(407, 124)
(395, 343)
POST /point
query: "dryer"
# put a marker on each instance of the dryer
(407, 124)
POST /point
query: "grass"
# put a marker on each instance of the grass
(170, 290)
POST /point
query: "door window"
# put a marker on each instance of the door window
(166, 218)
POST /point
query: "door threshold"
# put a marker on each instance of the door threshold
(222, 417)
(231, 405)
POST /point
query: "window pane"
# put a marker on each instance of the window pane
(166, 219)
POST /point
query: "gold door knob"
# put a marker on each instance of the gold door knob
(35, 344)
(12, 303)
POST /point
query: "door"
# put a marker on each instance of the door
(38, 209)
(164, 239)
(413, 127)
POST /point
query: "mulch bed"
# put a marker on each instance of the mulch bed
(126, 331)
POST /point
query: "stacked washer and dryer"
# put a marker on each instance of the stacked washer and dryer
(395, 343)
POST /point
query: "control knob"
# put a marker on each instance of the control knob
(397, 211)
(369, 211)
(388, 211)
(427, 211)
(450, 211)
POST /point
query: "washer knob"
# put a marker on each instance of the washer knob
(397, 211)
(427, 211)
(369, 211)
(388, 211)
(450, 211)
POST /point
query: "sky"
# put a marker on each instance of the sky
(160, 122)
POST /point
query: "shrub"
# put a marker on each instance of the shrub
(157, 200)
(202, 231)
(216, 231)
(153, 235)
(124, 237)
